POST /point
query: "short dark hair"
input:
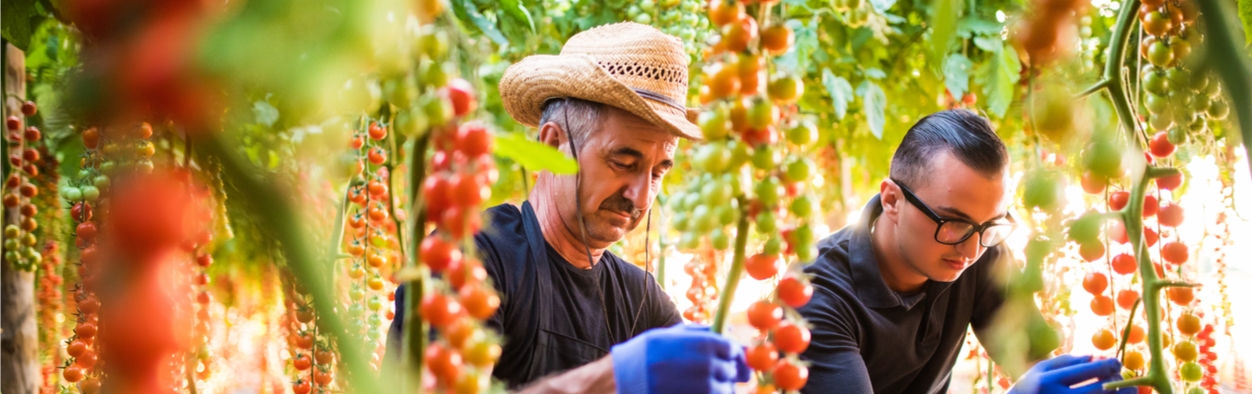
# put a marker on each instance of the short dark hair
(583, 116)
(968, 136)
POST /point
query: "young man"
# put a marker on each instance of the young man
(895, 293)
(613, 100)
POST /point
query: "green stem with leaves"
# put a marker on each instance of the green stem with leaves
(413, 340)
(736, 271)
(274, 214)
(1227, 53)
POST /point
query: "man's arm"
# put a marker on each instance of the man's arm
(836, 365)
(596, 377)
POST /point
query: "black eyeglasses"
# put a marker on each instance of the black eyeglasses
(954, 231)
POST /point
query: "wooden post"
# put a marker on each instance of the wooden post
(19, 359)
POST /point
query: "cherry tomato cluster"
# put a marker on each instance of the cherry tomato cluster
(372, 240)
(679, 18)
(783, 335)
(1194, 356)
(50, 303)
(751, 117)
(312, 356)
(1046, 33)
(20, 242)
(463, 171)
(1179, 101)
(196, 268)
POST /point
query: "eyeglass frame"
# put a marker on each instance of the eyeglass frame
(940, 221)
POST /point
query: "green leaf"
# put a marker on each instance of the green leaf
(515, 9)
(989, 44)
(875, 107)
(882, 5)
(998, 77)
(486, 26)
(973, 25)
(18, 22)
(956, 74)
(265, 113)
(533, 155)
(943, 22)
(1245, 16)
(840, 92)
(875, 73)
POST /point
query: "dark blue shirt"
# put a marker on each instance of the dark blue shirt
(868, 338)
(551, 315)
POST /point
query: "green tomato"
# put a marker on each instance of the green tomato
(1177, 136)
(716, 193)
(84, 173)
(719, 239)
(1178, 78)
(1159, 54)
(1200, 103)
(1161, 121)
(107, 166)
(1086, 228)
(1199, 82)
(12, 256)
(691, 201)
(1104, 158)
(765, 158)
(72, 194)
(11, 231)
(689, 241)
(766, 222)
(738, 154)
(802, 206)
(735, 182)
(703, 219)
(32, 256)
(727, 214)
(1156, 83)
(802, 135)
(1213, 88)
(1155, 104)
(1191, 372)
(29, 239)
(680, 222)
(803, 238)
(1043, 190)
(800, 170)
(101, 182)
(90, 193)
(716, 157)
(767, 191)
(762, 114)
(433, 43)
(772, 246)
(143, 166)
(11, 244)
(1218, 109)
(715, 123)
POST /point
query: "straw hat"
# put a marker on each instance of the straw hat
(626, 65)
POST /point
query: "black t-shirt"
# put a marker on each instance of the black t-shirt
(550, 315)
(867, 338)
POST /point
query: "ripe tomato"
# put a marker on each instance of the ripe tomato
(85, 330)
(13, 122)
(28, 190)
(1182, 296)
(1133, 360)
(304, 340)
(791, 338)
(1150, 236)
(1118, 200)
(467, 190)
(1175, 252)
(764, 315)
(444, 363)
(32, 134)
(761, 266)
(89, 305)
(302, 362)
(1092, 183)
(76, 348)
(29, 108)
(323, 377)
(794, 292)
(777, 39)
(1095, 282)
(1171, 215)
(376, 259)
(1125, 264)
(762, 357)
(461, 94)
(86, 230)
(439, 254)
(301, 387)
(473, 140)
(377, 213)
(790, 376)
(1103, 339)
(439, 309)
(377, 189)
(91, 138)
(459, 332)
(479, 301)
(470, 271)
(1091, 251)
(377, 132)
(90, 386)
(1170, 182)
(1126, 298)
(722, 12)
(435, 189)
(1102, 305)
(72, 373)
(736, 35)
(1136, 334)
(377, 156)
(1150, 205)
(1160, 146)
(1188, 324)
(323, 356)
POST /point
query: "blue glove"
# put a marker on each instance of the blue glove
(1056, 375)
(687, 359)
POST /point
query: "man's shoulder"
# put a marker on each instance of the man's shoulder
(621, 267)
(833, 260)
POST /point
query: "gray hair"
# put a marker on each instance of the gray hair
(583, 117)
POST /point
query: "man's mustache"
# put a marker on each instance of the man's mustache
(618, 203)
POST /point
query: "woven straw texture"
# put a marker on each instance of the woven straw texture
(607, 64)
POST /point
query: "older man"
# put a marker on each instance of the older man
(613, 100)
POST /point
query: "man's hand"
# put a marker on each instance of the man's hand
(1056, 375)
(686, 359)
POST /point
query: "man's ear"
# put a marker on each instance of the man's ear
(890, 195)
(551, 134)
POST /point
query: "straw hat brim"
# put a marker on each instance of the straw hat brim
(528, 84)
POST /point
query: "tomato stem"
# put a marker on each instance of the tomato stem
(413, 340)
(736, 270)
